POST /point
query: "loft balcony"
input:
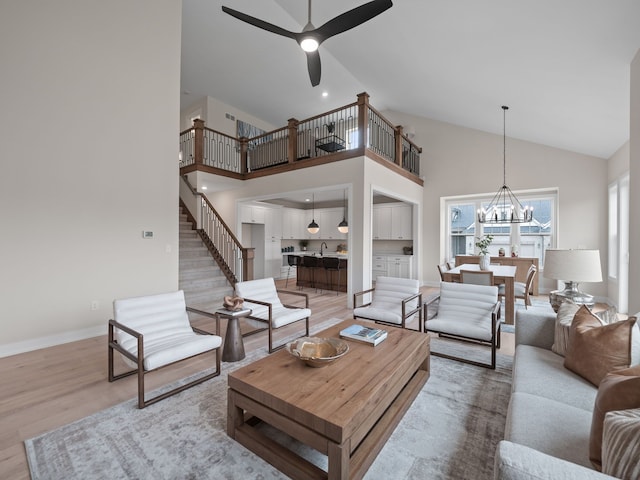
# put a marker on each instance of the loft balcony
(354, 130)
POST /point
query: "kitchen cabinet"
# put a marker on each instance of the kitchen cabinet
(398, 266)
(328, 219)
(252, 213)
(379, 266)
(293, 224)
(381, 222)
(392, 221)
(401, 222)
(273, 235)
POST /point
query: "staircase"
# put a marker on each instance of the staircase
(200, 277)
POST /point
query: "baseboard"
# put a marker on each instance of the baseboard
(9, 349)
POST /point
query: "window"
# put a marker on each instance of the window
(462, 228)
(618, 247)
(613, 231)
(527, 239)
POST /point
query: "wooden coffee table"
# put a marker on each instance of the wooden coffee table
(346, 410)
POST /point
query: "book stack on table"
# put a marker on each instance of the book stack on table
(360, 333)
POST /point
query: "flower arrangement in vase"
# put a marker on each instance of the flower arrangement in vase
(483, 246)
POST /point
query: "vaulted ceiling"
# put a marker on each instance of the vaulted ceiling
(562, 66)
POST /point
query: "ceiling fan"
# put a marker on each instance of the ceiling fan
(311, 37)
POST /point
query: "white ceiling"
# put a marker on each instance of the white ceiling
(562, 66)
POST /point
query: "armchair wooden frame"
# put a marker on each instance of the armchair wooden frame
(269, 327)
(139, 359)
(405, 314)
(494, 343)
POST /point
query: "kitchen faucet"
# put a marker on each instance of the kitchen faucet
(322, 246)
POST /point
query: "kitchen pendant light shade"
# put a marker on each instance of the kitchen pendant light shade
(505, 206)
(343, 226)
(313, 227)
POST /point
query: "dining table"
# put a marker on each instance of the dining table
(502, 275)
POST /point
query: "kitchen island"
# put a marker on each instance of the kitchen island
(312, 272)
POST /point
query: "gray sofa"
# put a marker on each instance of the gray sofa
(549, 416)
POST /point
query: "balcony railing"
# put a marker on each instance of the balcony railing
(353, 130)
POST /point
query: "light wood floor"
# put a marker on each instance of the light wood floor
(48, 388)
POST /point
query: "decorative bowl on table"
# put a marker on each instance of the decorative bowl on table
(317, 352)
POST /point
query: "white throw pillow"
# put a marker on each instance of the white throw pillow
(566, 312)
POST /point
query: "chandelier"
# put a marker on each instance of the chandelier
(505, 207)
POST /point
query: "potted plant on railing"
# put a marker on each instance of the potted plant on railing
(483, 247)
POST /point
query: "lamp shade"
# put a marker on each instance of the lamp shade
(573, 265)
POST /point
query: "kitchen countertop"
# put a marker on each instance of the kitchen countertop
(309, 253)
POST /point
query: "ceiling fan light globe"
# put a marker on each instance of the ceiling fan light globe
(309, 44)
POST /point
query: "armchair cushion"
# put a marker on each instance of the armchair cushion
(163, 321)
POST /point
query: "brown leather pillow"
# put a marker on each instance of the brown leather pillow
(619, 390)
(595, 349)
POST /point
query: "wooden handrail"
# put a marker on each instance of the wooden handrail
(335, 110)
(220, 240)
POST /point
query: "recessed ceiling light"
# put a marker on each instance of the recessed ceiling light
(204, 188)
(307, 199)
(325, 94)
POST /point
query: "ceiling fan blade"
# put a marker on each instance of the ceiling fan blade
(256, 22)
(313, 65)
(352, 18)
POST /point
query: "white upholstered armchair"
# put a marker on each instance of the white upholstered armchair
(394, 301)
(154, 331)
(261, 296)
(466, 312)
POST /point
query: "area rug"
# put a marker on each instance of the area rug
(450, 432)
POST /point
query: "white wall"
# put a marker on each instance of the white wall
(460, 161)
(634, 184)
(618, 163)
(213, 112)
(90, 111)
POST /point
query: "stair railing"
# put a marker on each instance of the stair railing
(234, 260)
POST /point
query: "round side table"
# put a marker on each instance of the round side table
(233, 350)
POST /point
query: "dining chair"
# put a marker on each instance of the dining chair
(522, 290)
(442, 268)
(476, 277)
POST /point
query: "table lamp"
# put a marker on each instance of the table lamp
(572, 267)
